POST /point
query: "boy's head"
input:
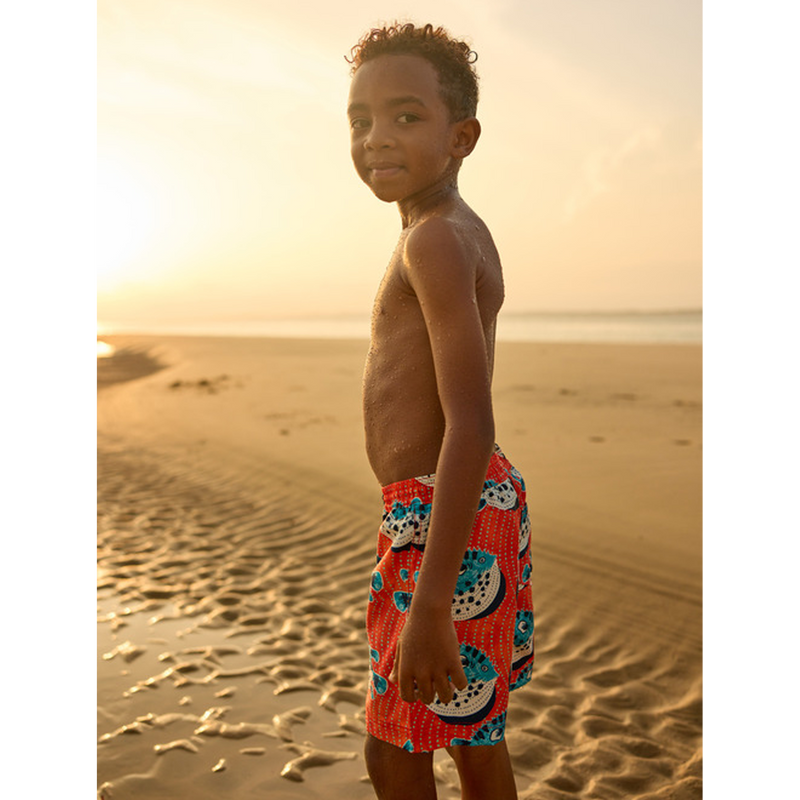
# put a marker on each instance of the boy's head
(452, 60)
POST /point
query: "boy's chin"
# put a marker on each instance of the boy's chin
(385, 194)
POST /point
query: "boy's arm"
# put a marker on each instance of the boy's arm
(442, 275)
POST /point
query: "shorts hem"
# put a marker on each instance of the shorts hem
(410, 747)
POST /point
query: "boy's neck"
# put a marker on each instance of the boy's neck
(413, 209)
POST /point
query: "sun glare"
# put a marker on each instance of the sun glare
(125, 220)
(104, 349)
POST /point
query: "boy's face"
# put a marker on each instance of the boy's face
(401, 137)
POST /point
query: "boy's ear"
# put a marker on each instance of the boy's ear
(466, 135)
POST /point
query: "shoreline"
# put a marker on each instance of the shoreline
(126, 364)
(676, 326)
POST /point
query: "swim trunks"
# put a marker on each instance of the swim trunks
(492, 612)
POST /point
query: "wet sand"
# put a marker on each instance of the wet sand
(237, 523)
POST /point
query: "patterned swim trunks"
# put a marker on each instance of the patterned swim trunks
(492, 611)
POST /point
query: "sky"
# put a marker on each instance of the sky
(225, 189)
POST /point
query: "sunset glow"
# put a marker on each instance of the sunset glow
(126, 222)
(226, 191)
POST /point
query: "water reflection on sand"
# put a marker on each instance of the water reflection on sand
(104, 349)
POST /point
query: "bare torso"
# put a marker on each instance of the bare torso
(403, 418)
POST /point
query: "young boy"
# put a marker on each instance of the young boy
(450, 619)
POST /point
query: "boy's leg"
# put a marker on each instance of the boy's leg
(485, 772)
(397, 774)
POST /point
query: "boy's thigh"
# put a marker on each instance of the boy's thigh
(397, 774)
(386, 754)
(485, 771)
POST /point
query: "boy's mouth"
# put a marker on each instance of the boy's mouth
(384, 169)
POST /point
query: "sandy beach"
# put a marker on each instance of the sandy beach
(237, 519)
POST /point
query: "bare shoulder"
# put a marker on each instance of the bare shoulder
(437, 239)
(454, 256)
(450, 246)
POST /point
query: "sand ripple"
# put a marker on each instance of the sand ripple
(232, 648)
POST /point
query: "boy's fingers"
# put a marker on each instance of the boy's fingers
(403, 679)
(425, 691)
(459, 678)
(407, 688)
(444, 690)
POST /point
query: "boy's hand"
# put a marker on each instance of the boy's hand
(427, 659)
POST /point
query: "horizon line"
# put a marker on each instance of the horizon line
(353, 316)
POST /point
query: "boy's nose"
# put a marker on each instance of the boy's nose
(378, 138)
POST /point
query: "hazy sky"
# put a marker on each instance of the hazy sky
(226, 191)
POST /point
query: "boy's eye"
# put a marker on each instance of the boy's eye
(358, 123)
(406, 118)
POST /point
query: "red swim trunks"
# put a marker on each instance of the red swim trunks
(492, 611)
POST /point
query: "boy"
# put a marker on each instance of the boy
(451, 633)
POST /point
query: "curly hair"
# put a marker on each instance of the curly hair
(453, 60)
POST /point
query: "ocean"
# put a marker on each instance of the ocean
(662, 327)
(620, 327)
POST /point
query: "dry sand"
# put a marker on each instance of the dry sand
(237, 524)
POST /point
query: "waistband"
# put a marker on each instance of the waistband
(499, 468)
